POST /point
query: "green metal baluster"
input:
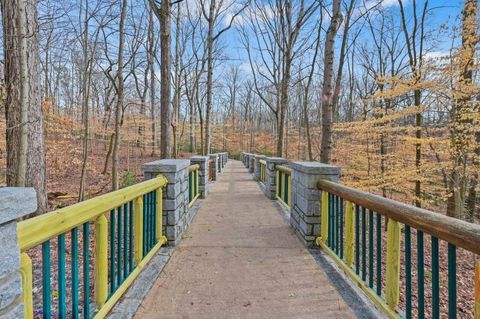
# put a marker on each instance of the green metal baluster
(370, 248)
(408, 273)
(357, 239)
(130, 241)
(364, 244)
(435, 280)
(62, 284)
(119, 246)
(421, 275)
(379, 254)
(452, 281)
(112, 252)
(125, 241)
(86, 271)
(46, 289)
(341, 227)
(74, 237)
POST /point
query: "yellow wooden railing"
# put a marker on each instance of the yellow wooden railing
(284, 184)
(263, 171)
(127, 227)
(193, 181)
(353, 234)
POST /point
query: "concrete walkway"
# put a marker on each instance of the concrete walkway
(239, 259)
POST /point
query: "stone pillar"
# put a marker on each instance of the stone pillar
(214, 158)
(176, 215)
(202, 174)
(219, 162)
(224, 158)
(251, 165)
(271, 183)
(15, 202)
(257, 166)
(307, 199)
(247, 160)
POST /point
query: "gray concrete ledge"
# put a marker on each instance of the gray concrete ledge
(132, 299)
(16, 202)
(315, 168)
(166, 165)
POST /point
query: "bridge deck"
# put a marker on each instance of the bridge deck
(239, 259)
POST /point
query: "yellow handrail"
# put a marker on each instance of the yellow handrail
(34, 231)
(284, 169)
(193, 167)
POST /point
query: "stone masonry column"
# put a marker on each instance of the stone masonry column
(176, 217)
(306, 198)
(15, 202)
(202, 174)
(247, 160)
(251, 166)
(219, 163)
(271, 183)
(214, 158)
(257, 166)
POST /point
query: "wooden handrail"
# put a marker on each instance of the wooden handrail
(455, 231)
(193, 167)
(284, 169)
(34, 231)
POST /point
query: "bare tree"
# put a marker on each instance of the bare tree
(23, 110)
(327, 90)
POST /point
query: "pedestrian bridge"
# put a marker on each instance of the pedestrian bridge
(256, 238)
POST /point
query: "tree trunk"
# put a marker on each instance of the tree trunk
(23, 110)
(120, 97)
(165, 109)
(327, 90)
(211, 21)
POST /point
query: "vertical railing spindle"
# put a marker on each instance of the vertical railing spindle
(62, 284)
(138, 225)
(392, 291)
(350, 234)
(101, 260)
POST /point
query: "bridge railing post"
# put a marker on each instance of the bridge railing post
(271, 182)
(214, 158)
(258, 166)
(176, 215)
(251, 165)
(202, 161)
(307, 199)
(15, 267)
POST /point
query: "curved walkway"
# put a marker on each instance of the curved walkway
(239, 259)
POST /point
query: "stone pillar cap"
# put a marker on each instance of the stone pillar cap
(166, 165)
(199, 158)
(315, 168)
(16, 202)
(276, 159)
